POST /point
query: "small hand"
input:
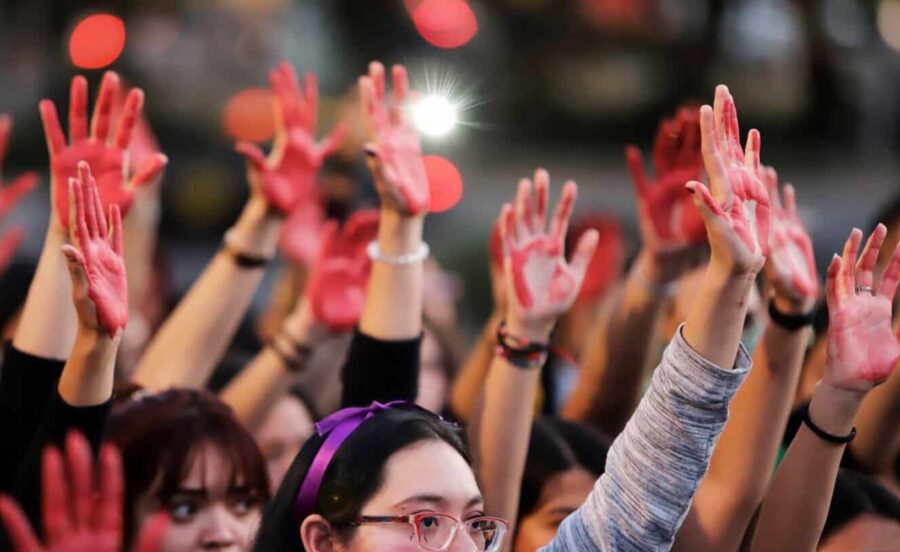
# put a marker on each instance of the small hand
(106, 154)
(668, 218)
(78, 515)
(736, 213)
(301, 235)
(286, 178)
(96, 264)
(863, 349)
(540, 284)
(790, 266)
(337, 284)
(394, 152)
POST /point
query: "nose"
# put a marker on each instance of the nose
(462, 542)
(220, 530)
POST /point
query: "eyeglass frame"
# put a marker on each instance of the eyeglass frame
(413, 519)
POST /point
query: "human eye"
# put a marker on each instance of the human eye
(243, 502)
(183, 508)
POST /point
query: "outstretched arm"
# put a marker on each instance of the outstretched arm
(540, 286)
(863, 351)
(616, 366)
(741, 467)
(657, 462)
(195, 336)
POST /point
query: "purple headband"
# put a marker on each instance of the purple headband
(338, 427)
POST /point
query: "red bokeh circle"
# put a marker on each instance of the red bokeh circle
(445, 23)
(97, 41)
(445, 184)
(248, 115)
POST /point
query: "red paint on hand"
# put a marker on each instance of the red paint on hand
(609, 256)
(337, 282)
(101, 149)
(301, 235)
(791, 266)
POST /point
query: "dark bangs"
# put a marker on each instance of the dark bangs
(161, 435)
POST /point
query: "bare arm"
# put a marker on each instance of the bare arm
(863, 350)
(540, 286)
(744, 458)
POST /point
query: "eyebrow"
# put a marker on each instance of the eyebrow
(437, 500)
(191, 492)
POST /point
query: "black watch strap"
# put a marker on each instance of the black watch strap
(790, 322)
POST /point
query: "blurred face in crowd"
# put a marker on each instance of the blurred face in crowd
(866, 532)
(562, 494)
(211, 510)
(282, 434)
(427, 476)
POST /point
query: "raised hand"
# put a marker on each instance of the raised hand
(104, 152)
(99, 285)
(736, 212)
(609, 255)
(863, 348)
(541, 285)
(78, 515)
(668, 218)
(287, 176)
(394, 152)
(301, 235)
(336, 289)
(790, 265)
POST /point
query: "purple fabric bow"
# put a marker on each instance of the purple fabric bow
(338, 427)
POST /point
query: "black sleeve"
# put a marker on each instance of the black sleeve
(26, 388)
(59, 419)
(377, 370)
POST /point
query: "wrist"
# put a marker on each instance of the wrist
(833, 408)
(726, 269)
(399, 234)
(95, 342)
(533, 331)
(256, 230)
(793, 306)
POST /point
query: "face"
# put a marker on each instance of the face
(429, 476)
(207, 513)
(432, 378)
(866, 532)
(281, 435)
(562, 494)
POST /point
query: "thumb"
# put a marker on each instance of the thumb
(704, 201)
(252, 154)
(152, 533)
(584, 252)
(149, 171)
(334, 140)
(77, 268)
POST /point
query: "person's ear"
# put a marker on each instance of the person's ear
(317, 534)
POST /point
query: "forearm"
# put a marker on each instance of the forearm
(506, 419)
(878, 422)
(196, 335)
(393, 307)
(256, 387)
(794, 511)
(469, 383)
(670, 436)
(617, 364)
(742, 464)
(87, 378)
(716, 320)
(48, 323)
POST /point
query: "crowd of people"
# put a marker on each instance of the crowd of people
(608, 403)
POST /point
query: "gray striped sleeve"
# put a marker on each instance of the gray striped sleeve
(655, 466)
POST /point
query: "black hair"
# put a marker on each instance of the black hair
(856, 494)
(354, 475)
(557, 446)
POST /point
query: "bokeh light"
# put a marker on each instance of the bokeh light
(97, 41)
(445, 23)
(248, 115)
(434, 116)
(445, 184)
(889, 22)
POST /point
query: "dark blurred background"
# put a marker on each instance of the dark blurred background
(563, 84)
